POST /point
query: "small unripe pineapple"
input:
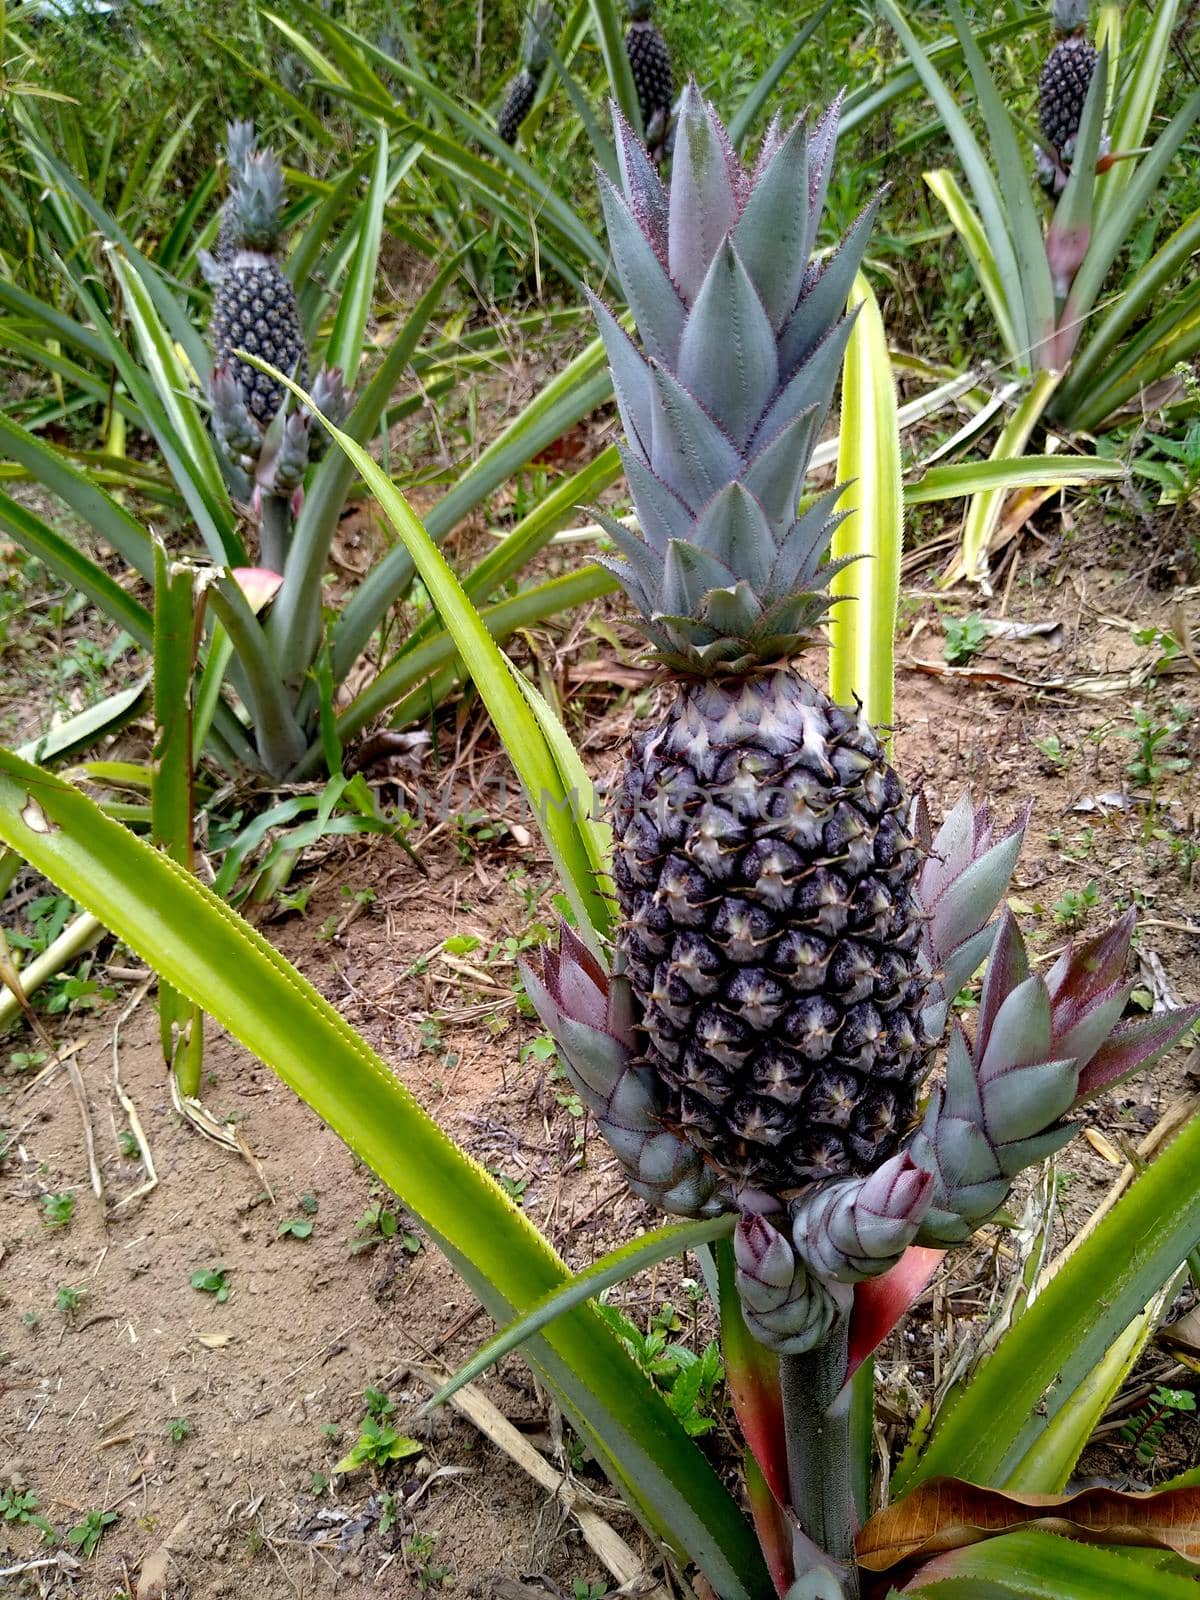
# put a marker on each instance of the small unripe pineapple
(650, 64)
(254, 305)
(534, 57)
(1066, 77)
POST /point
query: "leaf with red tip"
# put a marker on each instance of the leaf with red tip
(770, 1524)
(879, 1303)
(1008, 966)
(258, 584)
(1133, 1045)
(1098, 964)
(752, 1373)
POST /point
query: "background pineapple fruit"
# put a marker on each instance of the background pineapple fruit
(524, 87)
(1065, 77)
(254, 305)
(763, 861)
(650, 64)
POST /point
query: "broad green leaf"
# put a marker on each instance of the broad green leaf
(612, 1268)
(395, 685)
(294, 625)
(980, 178)
(516, 186)
(1032, 1565)
(1171, 338)
(1052, 1458)
(306, 247)
(863, 623)
(1071, 225)
(562, 810)
(169, 310)
(47, 353)
(41, 314)
(582, 385)
(171, 380)
(979, 252)
(986, 1429)
(172, 800)
(303, 114)
(197, 943)
(575, 782)
(1020, 208)
(277, 735)
(1003, 473)
(1116, 222)
(171, 252)
(1128, 309)
(983, 514)
(83, 730)
(205, 496)
(354, 308)
(610, 35)
(307, 51)
(1131, 116)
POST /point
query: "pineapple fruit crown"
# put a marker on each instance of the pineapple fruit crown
(535, 41)
(1070, 16)
(256, 196)
(741, 342)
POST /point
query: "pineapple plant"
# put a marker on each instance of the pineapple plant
(254, 305)
(523, 90)
(1065, 78)
(763, 860)
(264, 446)
(653, 79)
(755, 1041)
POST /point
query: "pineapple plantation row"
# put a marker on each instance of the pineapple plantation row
(597, 817)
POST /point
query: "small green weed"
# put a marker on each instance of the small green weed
(376, 1226)
(67, 1298)
(1051, 748)
(1145, 1431)
(295, 1228)
(1075, 904)
(214, 1281)
(21, 1505)
(514, 1188)
(475, 831)
(87, 1534)
(688, 1380)
(965, 638)
(418, 1551)
(27, 1060)
(1150, 763)
(378, 1443)
(178, 1429)
(58, 1209)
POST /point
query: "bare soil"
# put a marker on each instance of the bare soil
(272, 1379)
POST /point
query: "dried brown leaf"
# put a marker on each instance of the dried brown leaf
(946, 1514)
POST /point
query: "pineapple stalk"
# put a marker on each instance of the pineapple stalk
(816, 1409)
